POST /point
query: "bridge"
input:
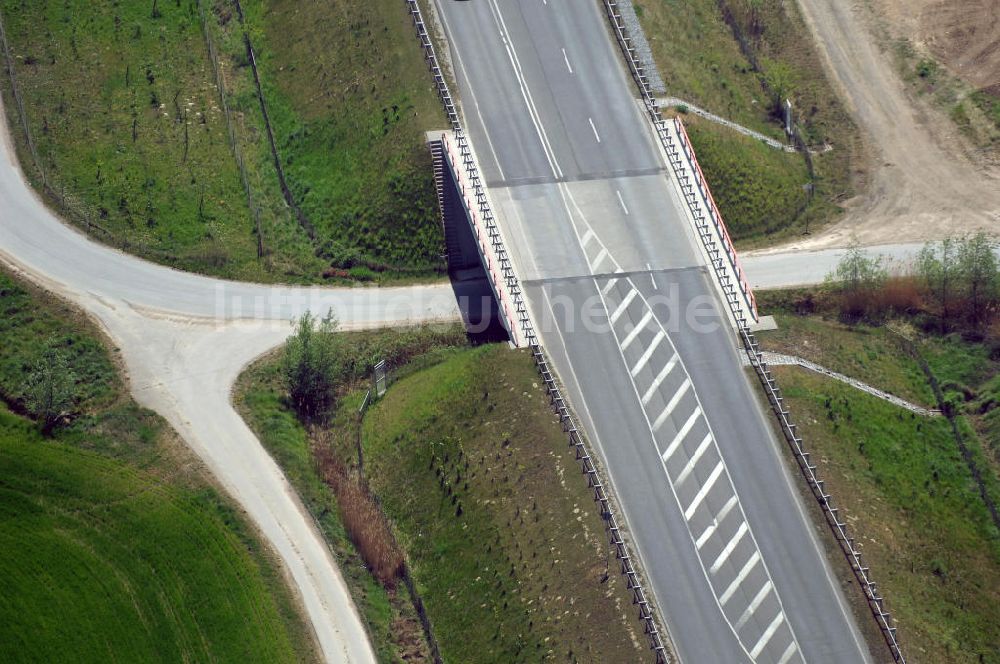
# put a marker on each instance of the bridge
(601, 242)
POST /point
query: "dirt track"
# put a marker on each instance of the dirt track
(920, 183)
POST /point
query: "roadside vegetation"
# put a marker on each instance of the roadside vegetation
(741, 60)
(455, 498)
(920, 493)
(138, 147)
(117, 547)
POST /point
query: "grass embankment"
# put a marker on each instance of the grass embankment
(695, 45)
(473, 471)
(123, 106)
(116, 547)
(901, 481)
(349, 98)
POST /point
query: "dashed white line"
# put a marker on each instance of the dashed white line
(639, 327)
(566, 58)
(693, 461)
(682, 434)
(754, 604)
(740, 578)
(705, 488)
(719, 518)
(596, 135)
(671, 405)
(620, 199)
(620, 309)
(659, 379)
(768, 633)
(728, 551)
(649, 353)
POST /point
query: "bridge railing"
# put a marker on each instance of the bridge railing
(862, 572)
(696, 190)
(462, 163)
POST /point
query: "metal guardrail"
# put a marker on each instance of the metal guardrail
(601, 494)
(854, 557)
(663, 131)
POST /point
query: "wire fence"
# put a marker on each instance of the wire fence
(876, 602)
(602, 495)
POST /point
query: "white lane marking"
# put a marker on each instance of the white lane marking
(608, 286)
(529, 101)
(596, 135)
(741, 577)
(652, 279)
(639, 327)
(587, 237)
(789, 651)
(719, 518)
(601, 255)
(754, 604)
(693, 461)
(659, 379)
(620, 309)
(768, 633)
(649, 353)
(622, 201)
(728, 551)
(566, 58)
(709, 483)
(679, 438)
(671, 405)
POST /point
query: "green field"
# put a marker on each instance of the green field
(760, 195)
(116, 546)
(132, 133)
(901, 479)
(501, 579)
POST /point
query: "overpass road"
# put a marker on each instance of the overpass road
(621, 297)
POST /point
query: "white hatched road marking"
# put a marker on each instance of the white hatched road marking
(728, 551)
(587, 237)
(789, 651)
(653, 345)
(679, 438)
(741, 577)
(601, 255)
(659, 379)
(723, 513)
(705, 488)
(639, 327)
(620, 309)
(768, 633)
(671, 405)
(753, 606)
(693, 461)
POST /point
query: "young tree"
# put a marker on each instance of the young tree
(857, 278)
(311, 364)
(50, 389)
(977, 266)
(937, 266)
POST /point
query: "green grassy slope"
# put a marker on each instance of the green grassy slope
(116, 547)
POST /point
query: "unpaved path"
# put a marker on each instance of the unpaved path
(920, 184)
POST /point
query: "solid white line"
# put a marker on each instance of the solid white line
(587, 237)
(768, 633)
(754, 604)
(728, 551)
(639, 327)
(693, 461)
(659, 379)
(566, 58)
(709, 483)
(723, 513)
(601, 255)
(622, 201)
(596, 135)
(671, 405)
(684, 431)
(620, 309)
(741, 577)
(649, 353)
(789, 651)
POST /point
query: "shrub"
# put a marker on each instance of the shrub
(50, 390)
(311, 366)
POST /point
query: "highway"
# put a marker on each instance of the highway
(621, 298)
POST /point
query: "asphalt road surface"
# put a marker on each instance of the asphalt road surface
(622, 299)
